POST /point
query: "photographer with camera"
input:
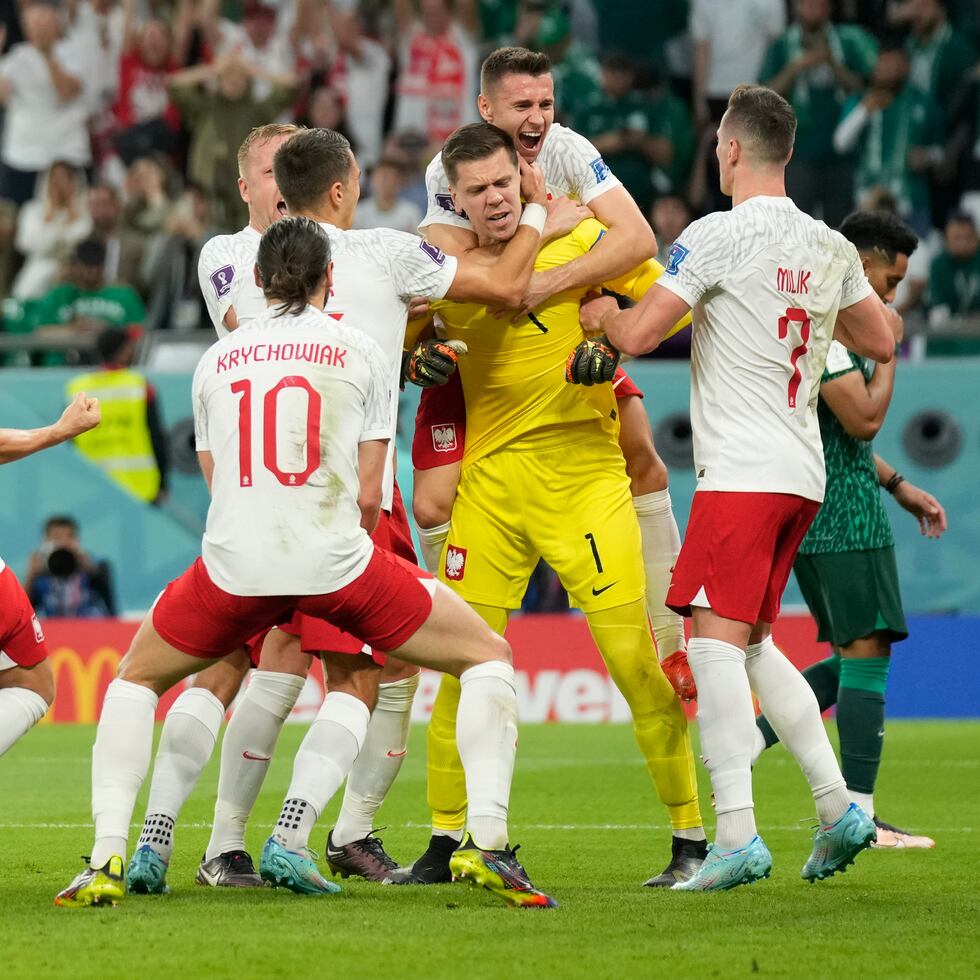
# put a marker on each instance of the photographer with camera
(63, 579)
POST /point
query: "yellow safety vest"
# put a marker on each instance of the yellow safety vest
(121, 443)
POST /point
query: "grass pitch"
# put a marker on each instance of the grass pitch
(591, 832)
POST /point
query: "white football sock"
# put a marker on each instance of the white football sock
(378, 762)
(20, 711)
(120, 758)
(322, 763)
(758, 745)
(790, 706)
(186, 743)
(661, 546)
(486, 733)
(431, 541)
(726, 721)
(250, 739)
(865, 801)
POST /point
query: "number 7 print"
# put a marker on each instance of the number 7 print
(795, 315)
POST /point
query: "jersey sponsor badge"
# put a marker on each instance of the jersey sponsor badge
(444, 438)
(600, 169)
(675, 257)
(222, 279)
(437, 255)
(455, 563)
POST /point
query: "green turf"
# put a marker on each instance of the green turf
(592, 833)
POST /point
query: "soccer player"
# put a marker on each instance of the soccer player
(552, 447)
(846, 563)
(26, 680)
(517, 94)
(376, 272)
(190, 729)
(770, 287)
(292, 420)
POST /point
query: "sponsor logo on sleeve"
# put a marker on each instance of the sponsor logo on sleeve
(38, 632)
(445, 201)
(675, 257)
(600, 169)
(455, 563)
(434, 253)
(444, 438)
(222, 279)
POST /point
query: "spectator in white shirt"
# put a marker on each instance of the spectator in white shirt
(42, 85)
(385, 208)
(48, 228)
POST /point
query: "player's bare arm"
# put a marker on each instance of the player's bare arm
(80, 416)
(371, 457)
(923, 506)
(868, 329)
(861, 408)
(638, 330)
(628, 242)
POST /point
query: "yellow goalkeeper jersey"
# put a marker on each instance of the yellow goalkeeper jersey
(513, 375)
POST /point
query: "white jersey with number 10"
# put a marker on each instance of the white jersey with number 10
(282, 405)
(765, 282)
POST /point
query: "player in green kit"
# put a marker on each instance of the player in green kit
(846, 563)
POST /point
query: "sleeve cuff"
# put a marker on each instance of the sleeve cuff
(679, 289)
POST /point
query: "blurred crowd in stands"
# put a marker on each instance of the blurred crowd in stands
(122, 118)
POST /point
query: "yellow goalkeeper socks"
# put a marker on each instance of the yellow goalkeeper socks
(623, 637)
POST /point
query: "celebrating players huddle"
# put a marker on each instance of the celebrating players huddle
(530, 443)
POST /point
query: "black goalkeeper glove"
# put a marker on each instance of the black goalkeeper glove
(593, 362)
(431, 362)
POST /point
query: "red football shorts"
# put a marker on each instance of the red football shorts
(738, 552)
(385, 605)
(440, 422)
(21, 637)
(393, 535)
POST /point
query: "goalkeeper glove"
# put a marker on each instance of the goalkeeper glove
(431, 362)
(593, 362)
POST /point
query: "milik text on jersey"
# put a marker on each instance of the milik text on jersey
(793, 280)
(258, 353)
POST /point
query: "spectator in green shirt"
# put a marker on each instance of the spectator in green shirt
(897, 131)
(647, 140)
(954, 276)
(84, 305)
(941, 56)
(816, 65)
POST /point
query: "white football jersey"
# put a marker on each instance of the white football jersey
(571, 165)
(282, 404)
(224, 261)
(765, 282)
(376, 271)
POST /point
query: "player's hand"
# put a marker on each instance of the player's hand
(592, 311)
(80, 416)
(533, 188)
(418, 307)
(593, 362)
(924, 507)
(432, 362)
(564, 214)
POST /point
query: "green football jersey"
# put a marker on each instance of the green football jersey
(852, 516)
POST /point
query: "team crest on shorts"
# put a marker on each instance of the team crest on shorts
(455, 563)
(38, 632)
(444, 438)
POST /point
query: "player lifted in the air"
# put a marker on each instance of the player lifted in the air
(292, 420)
(517, 93)
(769, 287)
(543, 476)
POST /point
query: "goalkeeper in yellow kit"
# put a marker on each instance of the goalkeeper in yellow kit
(543, 476)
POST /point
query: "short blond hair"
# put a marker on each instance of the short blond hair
(262, 134)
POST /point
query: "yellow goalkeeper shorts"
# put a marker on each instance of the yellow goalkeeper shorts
(562, 496)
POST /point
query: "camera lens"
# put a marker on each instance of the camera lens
(62, 563)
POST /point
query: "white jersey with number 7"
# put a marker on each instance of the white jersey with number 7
(765, 282)
(282, 405)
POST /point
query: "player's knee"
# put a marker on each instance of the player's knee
(42, 677)
(433, 509)
(223, 680)
(395, 670)
(645, 469)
